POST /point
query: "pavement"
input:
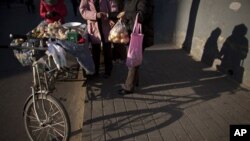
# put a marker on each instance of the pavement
(178, 98)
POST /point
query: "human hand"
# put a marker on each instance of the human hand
(111, 23)
(48, 15)
(101, 15)
(121, 14)
(51, 14)
(54, 13)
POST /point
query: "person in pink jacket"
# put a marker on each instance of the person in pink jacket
(53, 10)
(98, 14)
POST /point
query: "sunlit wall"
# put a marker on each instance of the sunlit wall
(202, 28)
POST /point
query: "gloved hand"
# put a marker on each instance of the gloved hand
(54, 13)
(50, 14)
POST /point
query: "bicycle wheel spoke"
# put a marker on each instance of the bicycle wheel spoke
(57, 131)
(52, 136)
(51, 109)
(47, 137)
(31, 116)
(35, 128)
(54, 114)
(39, 129)
(40, 133)
(40, 110)
(60, 123)
(50, 123)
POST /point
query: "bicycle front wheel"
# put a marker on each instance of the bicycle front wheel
(51, 121)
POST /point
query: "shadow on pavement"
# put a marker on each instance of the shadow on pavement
(170, 82)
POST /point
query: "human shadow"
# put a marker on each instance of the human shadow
(170, 82)
(211, 51)
(233, 53)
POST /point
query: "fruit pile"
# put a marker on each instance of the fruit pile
(119, 34)
(55, 30)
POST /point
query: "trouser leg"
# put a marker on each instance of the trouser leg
(114, 52)
(132, 79)
(119, 51)
(107, 52)
(75, 6)
(96, 52)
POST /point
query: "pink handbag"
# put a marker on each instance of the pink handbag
(134, 55)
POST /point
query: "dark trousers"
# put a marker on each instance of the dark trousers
(75, 4)
(107, 53)
(119, 52)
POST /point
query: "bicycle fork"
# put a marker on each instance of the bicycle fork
(37, 82)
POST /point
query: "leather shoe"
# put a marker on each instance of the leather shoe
(123, 92)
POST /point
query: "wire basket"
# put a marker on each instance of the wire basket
(23, 56)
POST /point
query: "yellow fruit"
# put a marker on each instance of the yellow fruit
(122, 35)
(116, 40)
(115, 34)
(110, 39)
(126, 40)
(122, 41)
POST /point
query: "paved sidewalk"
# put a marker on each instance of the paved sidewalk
(179, 99)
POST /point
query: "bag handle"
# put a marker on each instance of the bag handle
(137, 26)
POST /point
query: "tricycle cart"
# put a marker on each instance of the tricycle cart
(45, 117)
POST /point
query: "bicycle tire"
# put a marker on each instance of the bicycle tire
(56, 127)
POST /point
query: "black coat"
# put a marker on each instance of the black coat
(145, 9)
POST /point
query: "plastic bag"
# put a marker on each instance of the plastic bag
(24, 57)
(119, 34)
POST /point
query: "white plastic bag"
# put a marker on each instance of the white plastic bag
(119, 34)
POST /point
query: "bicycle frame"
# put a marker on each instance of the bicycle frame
(37, 87)
(43, 113)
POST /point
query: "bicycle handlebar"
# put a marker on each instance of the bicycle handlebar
(30, 48)
(18, 36)
(28, 36)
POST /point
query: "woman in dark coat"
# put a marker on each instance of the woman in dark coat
(145, 10)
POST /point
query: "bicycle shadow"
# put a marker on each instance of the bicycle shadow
(167, 88)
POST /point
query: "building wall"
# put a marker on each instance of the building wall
(204, 33)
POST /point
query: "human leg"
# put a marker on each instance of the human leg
(107, 58)
(119, 52)
(131, 81)
(75, 6)
(96, 52)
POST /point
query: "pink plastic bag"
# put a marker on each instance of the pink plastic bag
(134, 55)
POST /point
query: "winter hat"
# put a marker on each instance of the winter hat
(51, 2)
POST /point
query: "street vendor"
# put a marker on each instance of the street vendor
(53, 10)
